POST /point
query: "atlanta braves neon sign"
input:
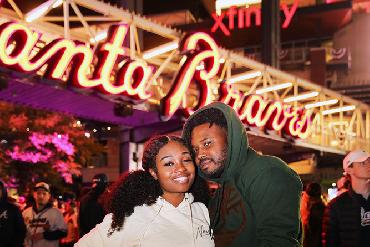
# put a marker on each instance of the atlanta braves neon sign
(66, 58)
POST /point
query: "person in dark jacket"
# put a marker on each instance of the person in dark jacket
(347, 217)
(257, 203)
(312, 211)
(91, 209)
(12, 227)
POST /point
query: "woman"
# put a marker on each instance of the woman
(153, 207)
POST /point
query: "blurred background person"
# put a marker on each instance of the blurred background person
(312, 211)
(343, 185)
(91, 210)
(12, 227)
(70, 217)
(45, 224)
(347, 217)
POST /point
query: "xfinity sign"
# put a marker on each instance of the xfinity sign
(244, 17)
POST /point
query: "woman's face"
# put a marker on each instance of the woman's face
(175, 168)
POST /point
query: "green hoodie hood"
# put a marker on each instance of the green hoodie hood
(237, 139)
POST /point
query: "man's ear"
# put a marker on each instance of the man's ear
(153, 173)
(349, 170)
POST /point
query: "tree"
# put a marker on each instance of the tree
(42, 145)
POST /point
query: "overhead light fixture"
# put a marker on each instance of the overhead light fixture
(42, 9)
(161, 49)
(99, 37)
(301, 97)
(322, 103)
(274, 88)
(224, 4)
(244, 76)
(339, 109)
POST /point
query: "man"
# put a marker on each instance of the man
(347, 217)
(12, 228)
(91, 210)
(257, 203)
(45, 224)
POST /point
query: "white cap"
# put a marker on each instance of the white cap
(355, 156)
(43, 186)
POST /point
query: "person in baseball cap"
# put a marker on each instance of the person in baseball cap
(347, 217)
(45, 224)
(43, 186)
(358, 156)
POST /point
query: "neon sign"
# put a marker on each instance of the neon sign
(273, 115)
(252, 109)
(71, 60)
(202, 49)
(131, 80)
(244, 17)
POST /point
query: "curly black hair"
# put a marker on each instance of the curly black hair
(139, 187)
(210, 115)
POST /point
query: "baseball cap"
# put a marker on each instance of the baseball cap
(42, 185)
(355, 156)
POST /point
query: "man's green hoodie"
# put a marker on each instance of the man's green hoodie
(258, 201)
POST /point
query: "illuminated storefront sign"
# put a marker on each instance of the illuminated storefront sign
(244, 17)
(64, 57)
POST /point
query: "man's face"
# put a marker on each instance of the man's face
(360, 170)
(210, 148)
(42, 197)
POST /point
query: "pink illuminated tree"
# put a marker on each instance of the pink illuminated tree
(43, 145)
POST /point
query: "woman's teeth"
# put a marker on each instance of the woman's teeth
(182, 179)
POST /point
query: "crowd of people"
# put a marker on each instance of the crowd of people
(345, 220)
(259, 200)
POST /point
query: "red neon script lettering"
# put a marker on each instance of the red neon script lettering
(204, 50)
(17, 43)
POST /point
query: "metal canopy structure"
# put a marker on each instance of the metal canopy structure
(340, 123)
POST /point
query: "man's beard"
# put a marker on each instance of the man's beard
(219, 164)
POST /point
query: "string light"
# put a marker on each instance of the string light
(340, 109)
(321, 103)
(301, 97)
(274, 88)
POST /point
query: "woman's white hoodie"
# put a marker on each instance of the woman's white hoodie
(160, 224)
